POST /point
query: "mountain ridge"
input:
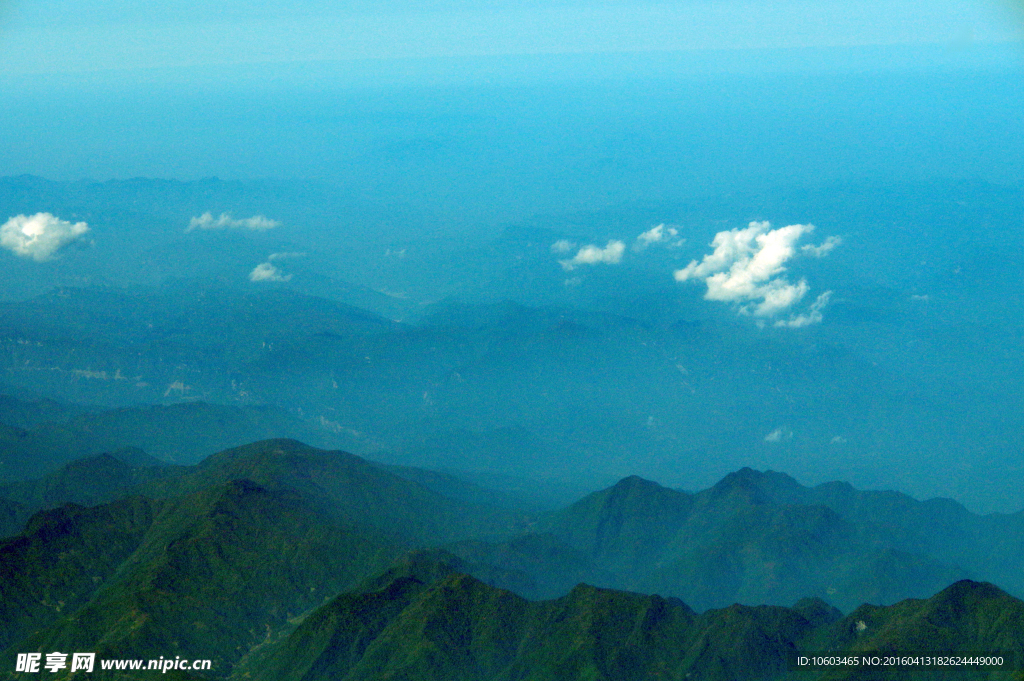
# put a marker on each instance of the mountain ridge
(450, 625)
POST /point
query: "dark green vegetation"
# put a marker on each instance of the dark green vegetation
(349, 487)
(12, 516)
(212, 574)
(215, 557)
(268, 559)
(417, 622)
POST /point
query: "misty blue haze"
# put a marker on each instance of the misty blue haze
(443, 179)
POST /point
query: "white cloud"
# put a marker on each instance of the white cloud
(747, 268)
(779, 296)
(823, 249)
(256, 223)
(562, 246)
(267, 272)
(39, 236)
(658, 235)
(283, 256)
(611, 254)
(812, 316)
(779, 435)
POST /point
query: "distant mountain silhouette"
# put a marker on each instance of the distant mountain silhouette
(763, 538)
(90, 481)
(180, 433)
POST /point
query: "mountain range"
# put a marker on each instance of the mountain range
(659, 386)
(280, 560)
(426, 620)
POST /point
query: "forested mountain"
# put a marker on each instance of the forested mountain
(241, 559)
(421, 623)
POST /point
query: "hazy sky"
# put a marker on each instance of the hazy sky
(58, 35)
(258, 88)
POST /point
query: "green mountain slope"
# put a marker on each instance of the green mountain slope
(224, 556)
(966, 618)
(214, 573)
(262, 558)
(349, 486)
(989, 545)
(62, 558)
(624, 526)
(429, 622)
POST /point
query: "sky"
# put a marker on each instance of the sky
(56, 36)
(247, 89)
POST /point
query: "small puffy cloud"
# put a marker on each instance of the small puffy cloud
(747, 267)
(267, 272)
(562, 246)
(256, 223)
(779, 435)
(746, 257)
(658, 235)
(611, 254)
(39, 236)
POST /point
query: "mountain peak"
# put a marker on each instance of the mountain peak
(965, 590)
(759, 487)
(635, 493)
(626, 523)
(634, 484)
(274, 447)
(745, 483)
(817, 611)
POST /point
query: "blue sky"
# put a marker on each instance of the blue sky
(51, 36)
